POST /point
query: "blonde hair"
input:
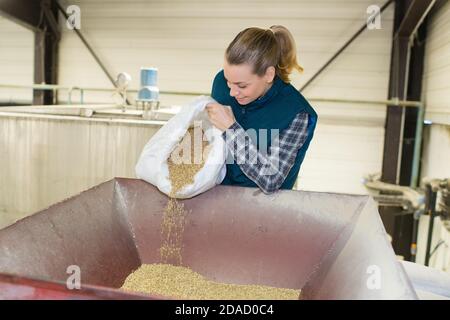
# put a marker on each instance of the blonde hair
(263, 48)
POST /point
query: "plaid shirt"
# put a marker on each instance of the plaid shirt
(267, 169)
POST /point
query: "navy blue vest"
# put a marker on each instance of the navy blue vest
(275, 110)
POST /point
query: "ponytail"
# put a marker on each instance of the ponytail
(288, 53)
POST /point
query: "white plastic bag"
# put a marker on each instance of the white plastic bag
(152, 164)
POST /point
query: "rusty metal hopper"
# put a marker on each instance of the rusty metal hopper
(326, 244)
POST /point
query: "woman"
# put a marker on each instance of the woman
(254, 95)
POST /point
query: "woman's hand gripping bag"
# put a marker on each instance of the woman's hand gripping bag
(152, 165)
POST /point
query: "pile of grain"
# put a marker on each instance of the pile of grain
(183, 283)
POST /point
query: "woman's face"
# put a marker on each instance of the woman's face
(244, 85)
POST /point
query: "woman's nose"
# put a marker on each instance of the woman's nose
(233, 92)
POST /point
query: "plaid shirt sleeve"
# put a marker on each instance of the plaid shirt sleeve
(269, 169)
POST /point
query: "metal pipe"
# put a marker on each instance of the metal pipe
(83, 39)
(431, 209)
(34, 86)
(342, 48)
(395, 102)
(413, 249)
(417, 149)
(70, 94)
(69, 97)
(383, 103)
(59, 87)
(91, 50)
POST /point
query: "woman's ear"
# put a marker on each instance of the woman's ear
(270, 74)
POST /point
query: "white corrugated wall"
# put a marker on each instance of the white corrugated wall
(436, 144)
(436, 92)
(16, 61)
(186, 41)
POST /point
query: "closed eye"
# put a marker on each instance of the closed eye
(240, 86)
